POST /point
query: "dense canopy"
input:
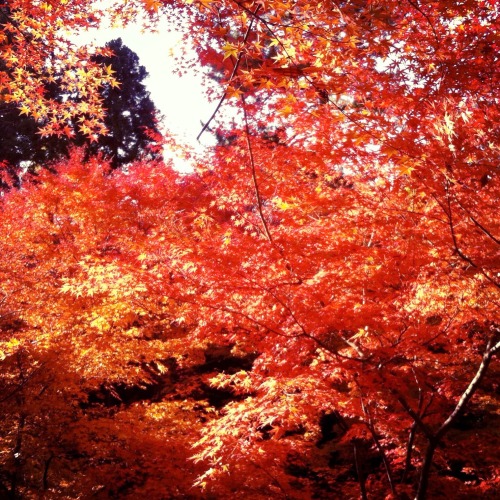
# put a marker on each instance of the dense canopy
(312, 313)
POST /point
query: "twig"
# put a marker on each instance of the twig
(376, 440)
(233, 73)
(254, 174)
(477, 223)
(428, 19)
(459, 251)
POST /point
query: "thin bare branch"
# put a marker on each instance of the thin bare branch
(254, 173)
(233, 74)
(477, 223)
(460, 253)
(378, 444)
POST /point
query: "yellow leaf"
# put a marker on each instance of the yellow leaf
(226, 240)
(65, 288)
(362, 332)
(230, 50)
(114, 83)
(13, 343)
(285, 110)
(405, 169)
(283, 205)
(233, 92)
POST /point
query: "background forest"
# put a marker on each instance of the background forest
(313, 312)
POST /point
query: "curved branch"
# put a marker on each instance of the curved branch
(477, 223)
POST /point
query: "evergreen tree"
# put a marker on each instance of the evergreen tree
(131, 120)
(131, 114)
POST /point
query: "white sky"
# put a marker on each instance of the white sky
(180, 100)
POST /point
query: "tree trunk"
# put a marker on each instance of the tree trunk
(434, 440)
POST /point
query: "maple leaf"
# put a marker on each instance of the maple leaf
(234, 92)
(406, 169)
(109, 70)
(331, 302)
(152, 5)
(24, 110)
(230, 50)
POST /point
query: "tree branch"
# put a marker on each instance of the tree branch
(376, 440)
(254, 174)
(461, 254)
(477, 223)
(416, 417)
(233, 73)
(492, 347)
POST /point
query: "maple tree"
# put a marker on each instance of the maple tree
(388, 92)
(71, 311)
(342, 244)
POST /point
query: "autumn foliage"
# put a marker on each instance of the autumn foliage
(312, 313)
